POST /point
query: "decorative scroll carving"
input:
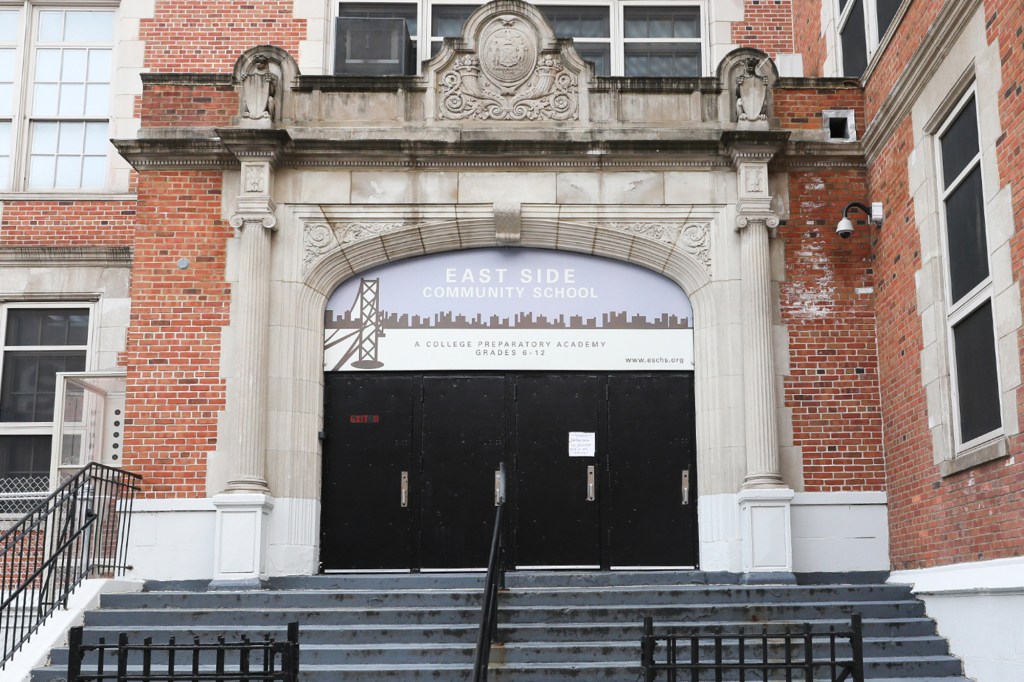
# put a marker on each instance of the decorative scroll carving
(662, 232)
(355, 232)
(695, 241)
(318, 240)
(509, 79)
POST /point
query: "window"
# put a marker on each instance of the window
(862, 25)
(970, 320)
(619, 36)
(38, 342)
(55, 78)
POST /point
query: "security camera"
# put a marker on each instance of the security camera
(845, 228)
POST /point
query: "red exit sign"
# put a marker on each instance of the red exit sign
(364, 419)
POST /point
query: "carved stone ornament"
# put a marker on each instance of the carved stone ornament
(259, 90)
(255, 180)
(318, 240)
(662, 232)
(751, 92)
(695, 241)
(509, 78)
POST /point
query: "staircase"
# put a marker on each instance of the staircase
(555, 626)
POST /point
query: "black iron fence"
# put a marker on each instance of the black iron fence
(768, 652)
(266, 660)
(80, 529)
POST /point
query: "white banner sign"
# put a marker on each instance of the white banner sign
(508, 309)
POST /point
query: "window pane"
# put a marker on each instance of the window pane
(599, 54)
(95, 27)
(99, 66)
(5, 139)
(976, 374)
(94, 169)
(6, 100)
(97, 100)
(71, 139)
(853, 37)
(72, 99)
(47, 327)
(447, 20)
(662, 60)
(661, 22)
(965, 227)
(73, 65)
(959, 143)
(24, 456)
(371, 10)
(29, 383)
(69, 172)
(40, 172)
(96, 138)
(7, 64)
(51, 26)
(44, 100)
(886, 13)
(9, 25)
(578, 22)
(5, 172)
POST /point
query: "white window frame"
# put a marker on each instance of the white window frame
(24, 79)
(981, 293)
(424, 17)
(41, 428)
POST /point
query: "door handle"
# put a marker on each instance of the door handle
(405, 489)
(686, 486)
(591, 488)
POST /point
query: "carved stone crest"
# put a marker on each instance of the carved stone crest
(510, 68)
(751, 93)
(259, 90)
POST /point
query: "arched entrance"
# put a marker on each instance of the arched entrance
(573, 372)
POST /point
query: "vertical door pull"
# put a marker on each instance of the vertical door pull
(405, 488)
(591, 490)
(686, 486)
(499, 485)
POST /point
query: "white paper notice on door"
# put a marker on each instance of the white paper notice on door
(582, 444)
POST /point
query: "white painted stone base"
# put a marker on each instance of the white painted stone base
(294, 537)
(54, 632)
(767, 530)
(978, 608)
(172, 539)
(842, 531)
(831, 532)
(240, 537)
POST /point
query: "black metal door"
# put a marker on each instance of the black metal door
(463, 443)
(368, 516)
(651, 504)
(557, 497)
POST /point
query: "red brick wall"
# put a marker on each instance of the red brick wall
(799, 108)
(832, 386)
(186, 106)
(67, 223)
(807, 38)
(975, 514)
(766, 25)
(175, 391)
(207, 37)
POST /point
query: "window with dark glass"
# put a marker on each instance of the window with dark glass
(970, 317)
(862, 26)
(37, 344)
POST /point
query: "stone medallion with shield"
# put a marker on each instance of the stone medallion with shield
(507, 53)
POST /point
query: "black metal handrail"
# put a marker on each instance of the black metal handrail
(765, 649)
(80, 529)
(488, 633)
(257, 661)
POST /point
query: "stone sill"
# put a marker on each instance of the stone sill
(976, 456)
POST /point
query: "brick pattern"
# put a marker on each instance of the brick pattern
(807, 37)
(67, 223)
(800, 108)
(832, 387)
(973, 515)
(208, 37)
(766, 25)
(175, 391)
(184, 106)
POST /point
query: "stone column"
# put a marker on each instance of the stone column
(764, 498)
(244, 505)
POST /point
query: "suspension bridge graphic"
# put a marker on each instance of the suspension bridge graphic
(366, 337)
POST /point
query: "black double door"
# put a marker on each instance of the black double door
(599, 469)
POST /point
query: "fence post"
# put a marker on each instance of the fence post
(122, 657)
(75, 653)
(293, 658)
(647, 649)
(857, 645)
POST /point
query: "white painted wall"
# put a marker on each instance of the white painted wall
(172, 539)
(978, 609)
(841, 531)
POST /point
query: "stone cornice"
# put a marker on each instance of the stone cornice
(102, 256)
(215, 79)
(937, 42)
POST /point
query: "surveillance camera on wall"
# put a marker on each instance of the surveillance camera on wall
(845, 228)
